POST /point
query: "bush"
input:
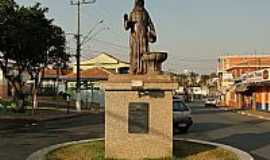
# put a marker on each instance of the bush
(5, 102)
(7, 105)
(11, 107)
(2, 108)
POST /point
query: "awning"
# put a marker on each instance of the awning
(250, 87)
(242, 87)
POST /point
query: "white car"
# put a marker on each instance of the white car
(182, 119)
(210, 102)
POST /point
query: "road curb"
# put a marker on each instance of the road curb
(252, 115)
(243, 113)
(41, 154)
(241, 154)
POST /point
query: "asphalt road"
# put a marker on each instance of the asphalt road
(17, 142)
(249, 134)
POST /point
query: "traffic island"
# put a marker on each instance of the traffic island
(184, 149)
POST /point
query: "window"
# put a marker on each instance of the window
(179, 106)
(123, 70)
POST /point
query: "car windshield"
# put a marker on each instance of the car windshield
(179, 106)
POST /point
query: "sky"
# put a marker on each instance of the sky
(193, 32)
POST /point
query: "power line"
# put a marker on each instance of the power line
(194, 60)
(91, 31)
(99, 51)
(110, 43)
(94, 35)
(105, 13)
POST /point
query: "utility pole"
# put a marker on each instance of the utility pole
(79, 3)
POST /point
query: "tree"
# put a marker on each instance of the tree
(29, 41)
(182, 79)
(204, 80)
(213, 75)
(193, 78)
(6, 10)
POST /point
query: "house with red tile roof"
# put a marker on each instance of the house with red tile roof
(93, 74)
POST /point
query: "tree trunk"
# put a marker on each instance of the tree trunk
(36, 87)
(34, 99)
(57, 82)
(20, 101)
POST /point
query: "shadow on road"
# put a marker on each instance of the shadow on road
(54, 127)
(248, 142)
(209, 111)
(186, 149)
(209, 126)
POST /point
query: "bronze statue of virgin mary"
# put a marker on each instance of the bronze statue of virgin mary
(142, 31)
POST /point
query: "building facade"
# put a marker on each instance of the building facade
(253, 90)
(94, 72)
(231, 68)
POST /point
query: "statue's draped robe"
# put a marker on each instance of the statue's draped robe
(141, 27)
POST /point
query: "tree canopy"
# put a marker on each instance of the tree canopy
(28, 37)
(29, 40)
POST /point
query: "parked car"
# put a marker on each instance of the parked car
(182, 119)
(210, 102)
(180, 97)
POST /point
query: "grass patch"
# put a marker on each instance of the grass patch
(194, 151)
(88, 151)
(182, 151)
(8, 107)
(15, 114)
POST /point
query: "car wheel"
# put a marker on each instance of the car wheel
(176, 130)
(184, 129)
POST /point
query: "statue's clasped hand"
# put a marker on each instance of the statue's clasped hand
(126, 17)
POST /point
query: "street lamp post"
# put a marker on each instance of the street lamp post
(78, 3)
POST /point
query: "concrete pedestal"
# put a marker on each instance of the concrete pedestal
(157, 140)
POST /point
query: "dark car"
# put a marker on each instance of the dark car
(182, 119)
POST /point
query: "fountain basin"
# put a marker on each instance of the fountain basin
(153, 61)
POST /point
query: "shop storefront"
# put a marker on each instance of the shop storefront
(255, 96)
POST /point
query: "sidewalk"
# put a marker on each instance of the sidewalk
(250, 113)
(45, 114)
(257, 114)
(232, 109)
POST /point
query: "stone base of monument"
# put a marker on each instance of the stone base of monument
(138, 123)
